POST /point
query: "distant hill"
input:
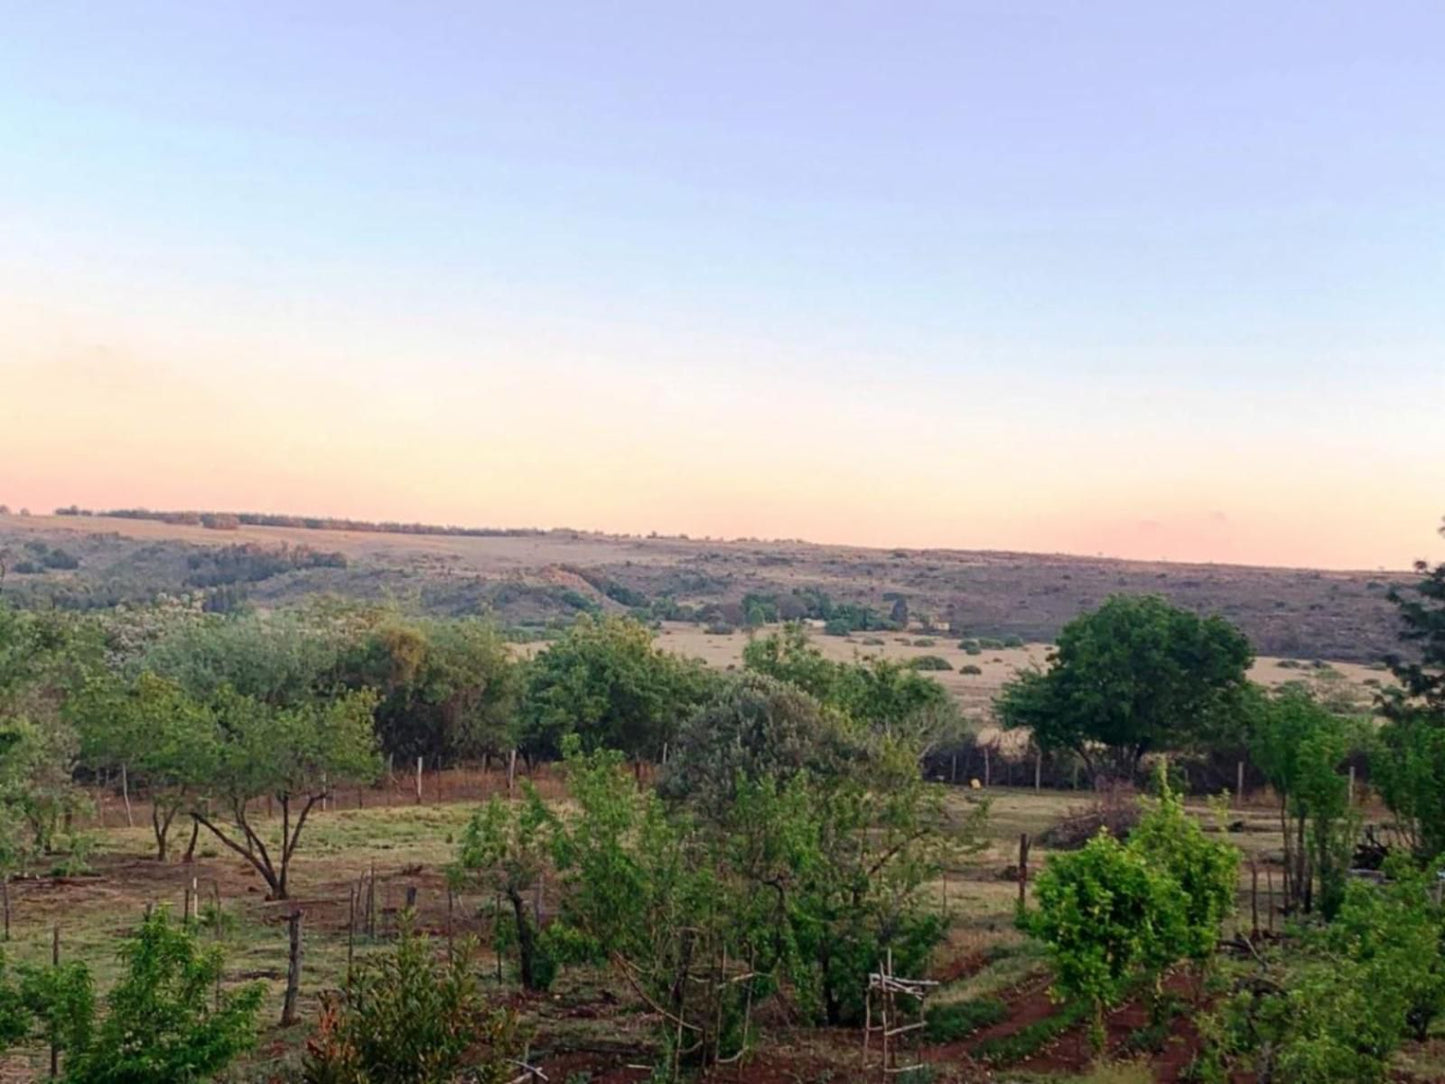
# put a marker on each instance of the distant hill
(528, 579)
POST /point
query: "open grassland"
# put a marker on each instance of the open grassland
(590, 1023)
(533, 579)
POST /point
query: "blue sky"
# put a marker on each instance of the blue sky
(1147, 279)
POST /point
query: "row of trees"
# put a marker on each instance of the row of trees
(207, 716)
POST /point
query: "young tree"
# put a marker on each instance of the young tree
(411, 1019)
(165, 1023)
(1299, 746)
(1206, 870)
(295, 755)
(163, 738)
(504, 848)
(1108, 916)
(1135, 676)
(1410, 767)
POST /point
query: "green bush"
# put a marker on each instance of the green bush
(412, 1019)
(1107, 916)
(923, 641)
(930, 662)
(970, 669)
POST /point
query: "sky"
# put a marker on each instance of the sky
(1140, 279)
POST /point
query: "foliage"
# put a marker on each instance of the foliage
(60, 1000)
(1206, 870)
(412, 1019)
(606, 682)
(42, 656)
(882, 695)
(959, 1019)
(504, 849)
(294, 755)
(1410, 770)
(1107, 915)
(164, 1023)
(1135, 676)
(161, 736)
(930, 662)
(282, 660)
(1299, 745)
(1336, 1007)
(754, 727)
(447, 689)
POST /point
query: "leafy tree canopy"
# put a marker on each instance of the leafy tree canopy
(1135, 676)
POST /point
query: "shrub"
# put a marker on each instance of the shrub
(1013, 641)
(162, 1025)
(973, 647)
(923, 641)
(970, 668)
(411, 1019)
(930, 662)
(719, 628)
(1107, 915)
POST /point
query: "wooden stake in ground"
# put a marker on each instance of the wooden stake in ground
(5, 900)
(987, 768)
(418, 780)
(1023, 869)
(511, 773)
(350, 933)
(125, 796)
(1254, 897)
(55, 1039)
(1038, 770)
(1239, 785)
(293, 969)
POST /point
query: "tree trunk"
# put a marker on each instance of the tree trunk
(191, 846)
(293, 970)
(526, 940)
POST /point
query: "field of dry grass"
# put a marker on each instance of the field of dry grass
(1298, 613)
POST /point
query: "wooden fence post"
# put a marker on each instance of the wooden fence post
(1023, 868)
(125, 796)
(350, 933)
(1254, 897)
(1352, 784)
(5, 900)
(293, 969)
(418, 780)
(1038, 770)
(511, 773)
(1239, 785)
(987, 770)
(54, 1038)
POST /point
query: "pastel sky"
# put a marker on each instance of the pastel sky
(1136, 278)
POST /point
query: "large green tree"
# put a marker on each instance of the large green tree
(606, 682)
(449, 689)
(1137, 675)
